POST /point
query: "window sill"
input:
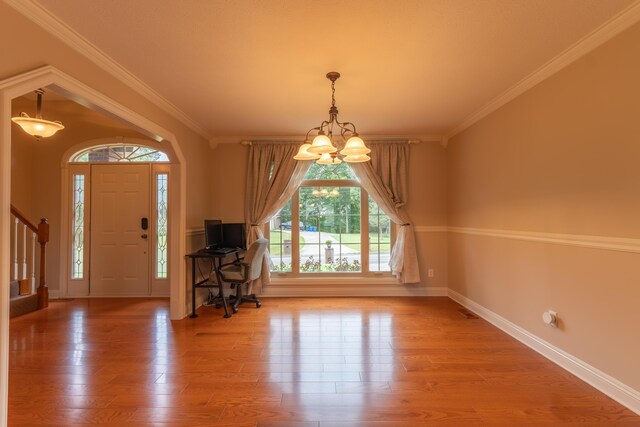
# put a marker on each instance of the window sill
(320, 279)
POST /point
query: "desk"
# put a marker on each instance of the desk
(216, 259)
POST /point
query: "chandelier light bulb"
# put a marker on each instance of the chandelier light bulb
(326, 159)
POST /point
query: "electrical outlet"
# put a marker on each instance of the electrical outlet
(430, 272)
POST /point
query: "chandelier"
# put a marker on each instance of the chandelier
(37, 126)
(322, 149)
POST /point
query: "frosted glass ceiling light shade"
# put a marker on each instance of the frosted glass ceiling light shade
(357, 158)
(304, 154)
(37, 126)
(355, 145)
(328, 159)
(322, 142)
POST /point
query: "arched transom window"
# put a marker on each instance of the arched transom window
(119, 153)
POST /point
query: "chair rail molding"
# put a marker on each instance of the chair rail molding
(587, 241)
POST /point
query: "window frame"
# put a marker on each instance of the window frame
(364, 235)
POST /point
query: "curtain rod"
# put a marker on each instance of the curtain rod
(297, 141)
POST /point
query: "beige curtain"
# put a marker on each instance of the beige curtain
(385, 179)
(272, 177)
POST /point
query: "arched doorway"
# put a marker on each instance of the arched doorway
(116, 226)
(60, 82)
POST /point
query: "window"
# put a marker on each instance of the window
(330, 225)
(162, 182)
(77, 228)
(119, 153)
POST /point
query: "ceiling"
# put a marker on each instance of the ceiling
(75, 117)
(247, 68)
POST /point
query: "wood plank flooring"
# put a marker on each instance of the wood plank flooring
(294, 362)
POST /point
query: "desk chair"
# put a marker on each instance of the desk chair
(243, 272)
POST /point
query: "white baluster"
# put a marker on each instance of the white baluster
(14, 276)
(24, 252)
(32, 263)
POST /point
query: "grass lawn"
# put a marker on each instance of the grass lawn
(352, 241)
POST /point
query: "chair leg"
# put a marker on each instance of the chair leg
(239, 298)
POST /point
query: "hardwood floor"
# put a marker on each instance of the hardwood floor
(294, 362)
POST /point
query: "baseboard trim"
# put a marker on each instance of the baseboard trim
(54, 294)
(394, 290)
(610, 386)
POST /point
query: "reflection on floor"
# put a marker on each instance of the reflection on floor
(293, 362)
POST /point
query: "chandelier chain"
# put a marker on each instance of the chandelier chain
(333, 93)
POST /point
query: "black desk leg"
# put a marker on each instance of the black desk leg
(193, 288)
(221, 289)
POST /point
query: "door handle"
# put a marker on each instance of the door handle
(144, 236)
(144, 223)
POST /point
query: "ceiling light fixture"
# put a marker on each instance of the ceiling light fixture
(37, 126)
(322, 149)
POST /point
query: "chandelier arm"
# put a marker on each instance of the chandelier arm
(327, 123)
(311, 130)
(346, 127)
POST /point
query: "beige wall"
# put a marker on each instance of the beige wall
(40, 192)
(229, 177)
(22, 151)
(561, 158)
(426, 200)
(37, 48)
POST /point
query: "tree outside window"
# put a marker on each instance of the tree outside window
(330, 226)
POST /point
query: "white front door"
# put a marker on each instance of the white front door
(119, 246)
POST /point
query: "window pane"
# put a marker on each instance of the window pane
(280, 239)
(341, 171)
(330, 229)
(120, 153)
(379, 238)
(162, 183)
(77, 251)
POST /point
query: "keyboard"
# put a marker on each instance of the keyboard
(218, 251)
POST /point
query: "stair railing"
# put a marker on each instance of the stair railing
(23, 242)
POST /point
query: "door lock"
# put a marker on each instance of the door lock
(144, 236)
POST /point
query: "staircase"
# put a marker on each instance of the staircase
(21, 304)
(25, 237)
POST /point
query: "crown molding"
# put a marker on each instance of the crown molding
(50, 23)
(595, 38)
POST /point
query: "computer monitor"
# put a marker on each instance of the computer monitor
(212, 233)
(233, 235)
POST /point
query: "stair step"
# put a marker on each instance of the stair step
(14, 289)
(22, 305)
